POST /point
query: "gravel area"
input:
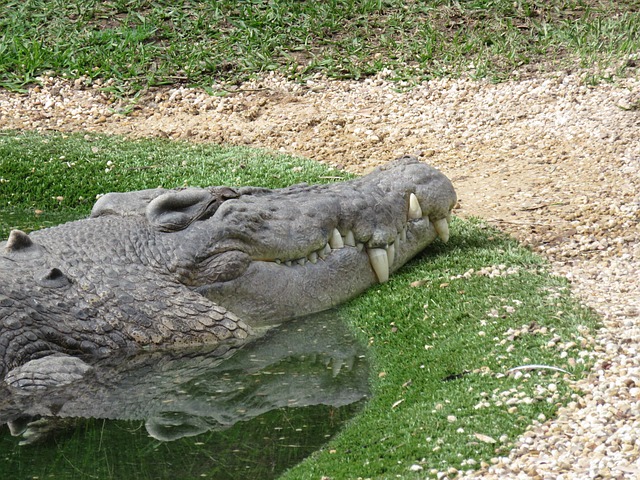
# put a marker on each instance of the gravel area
(551, 160)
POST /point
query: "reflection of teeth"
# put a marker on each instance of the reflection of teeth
(415, 211)
(349, 361)
(349, 239)
(336, 367)
(442, 229)
(17, 427)
(391, 254)
(336, 239)
(380, 263)
(313, 257)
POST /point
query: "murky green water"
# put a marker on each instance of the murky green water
(249, 412)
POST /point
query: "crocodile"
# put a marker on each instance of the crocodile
(194, 266)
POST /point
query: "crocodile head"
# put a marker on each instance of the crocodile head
(201, 265)
(270, 255)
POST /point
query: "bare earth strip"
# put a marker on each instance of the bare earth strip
(549, 160)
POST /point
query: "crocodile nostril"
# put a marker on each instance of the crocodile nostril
(18, 240)
(54, 278)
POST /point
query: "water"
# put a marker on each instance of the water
(248, 412)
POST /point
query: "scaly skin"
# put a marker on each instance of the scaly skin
(181, 267)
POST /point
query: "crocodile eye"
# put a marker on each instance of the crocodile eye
(54, 278)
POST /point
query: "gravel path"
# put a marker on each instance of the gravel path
(551, 160)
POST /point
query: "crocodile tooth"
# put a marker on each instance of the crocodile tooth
(288, 263)
(313, 257)
(349, 239)
(442, 229)
(278, 261)
(324, 252)
(301, 261)
(335, 241)
(360, 246)
(403, 234)
(415, 211)
(391, 254)
(380, 263)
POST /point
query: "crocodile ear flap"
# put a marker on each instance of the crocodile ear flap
(176, 210)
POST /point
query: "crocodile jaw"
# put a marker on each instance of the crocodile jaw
(333, 274)
(305, 249)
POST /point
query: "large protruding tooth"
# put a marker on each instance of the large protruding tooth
(349, 239)
(335, 241)
(415, 211)
(442, 229)
(380, 263)
(391, 254)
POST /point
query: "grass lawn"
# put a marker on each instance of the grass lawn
(142, 43)
(441, 335)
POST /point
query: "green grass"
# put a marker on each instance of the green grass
(440, 335)
(143, 43)
(53, 178)
(441, 350)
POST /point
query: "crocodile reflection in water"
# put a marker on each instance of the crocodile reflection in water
(178, 393)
